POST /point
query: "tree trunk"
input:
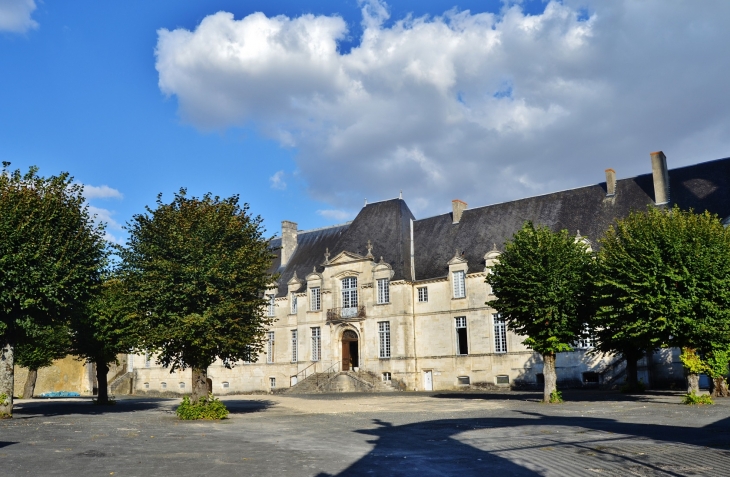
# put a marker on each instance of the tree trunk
(7, 380)
(693, 383)
(200, 384)
(102, 369)
(29, 387)
(719, 388)
(551, 378)
(632, 371)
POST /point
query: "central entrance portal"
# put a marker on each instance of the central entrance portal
(349, 350)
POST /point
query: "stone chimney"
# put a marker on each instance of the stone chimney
(661, 177)
(610, 182)
(457, 208)
(288, 240)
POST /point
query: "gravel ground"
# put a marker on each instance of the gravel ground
(423, 434)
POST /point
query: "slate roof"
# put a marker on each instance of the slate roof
(386, 224)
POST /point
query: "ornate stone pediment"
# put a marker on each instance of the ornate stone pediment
(458, 259)
(347, 257)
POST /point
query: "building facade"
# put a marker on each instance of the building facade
(405, 302)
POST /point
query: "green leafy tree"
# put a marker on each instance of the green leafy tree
(51, 254)
(37, 348)
(106, 328)
(543, 287)
(196, 268)
(664, 280)
(717, 369)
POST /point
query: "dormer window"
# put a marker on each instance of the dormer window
(458, 284)
(293, 300)
(315, 299)
(272, 305)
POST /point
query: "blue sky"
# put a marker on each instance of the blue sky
(536, 97)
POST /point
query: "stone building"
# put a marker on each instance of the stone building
(391, 299)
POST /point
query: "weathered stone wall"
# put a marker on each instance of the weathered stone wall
(67, 374)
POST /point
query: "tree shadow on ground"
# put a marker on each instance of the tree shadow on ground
(247, 406)
(6, 443)
(570, 395)
(57, 407)
(433, 448)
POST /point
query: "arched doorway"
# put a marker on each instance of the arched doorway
(350, 357)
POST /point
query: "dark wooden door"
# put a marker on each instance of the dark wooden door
(345, 355)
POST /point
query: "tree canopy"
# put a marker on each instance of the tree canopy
(51, 256)
(196, 268)
(542, 282)
(663, 280)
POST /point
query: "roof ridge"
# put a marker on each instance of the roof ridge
(316, 229)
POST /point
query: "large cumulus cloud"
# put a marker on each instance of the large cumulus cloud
(481, 106)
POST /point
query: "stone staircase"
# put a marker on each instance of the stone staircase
(343, 382)
(122, 384)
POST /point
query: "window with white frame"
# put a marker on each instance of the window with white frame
(272, 305)
(387, 377)
(147, 360)
(293, 301)
(316, 344)
(294, 357)
(586, 340)
(459, 286)
(315, 302)
(383, 290)
(384, 334)
(272, 382)
(422, 294)
(270, 348)
(349, 292)
(462, 345)
(247, 355)
(500, 334)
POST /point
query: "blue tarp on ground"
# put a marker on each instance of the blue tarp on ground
(59, 394)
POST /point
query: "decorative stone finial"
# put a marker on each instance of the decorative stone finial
(314, 269)
(381, 259)
(370, 250)
(401, 195)
(366, 202)
(327, 255)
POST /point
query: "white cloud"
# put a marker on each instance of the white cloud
(338, 215)
(104, 215)
(484, 107)
(277, 181)
(15, 15)
(101, 192)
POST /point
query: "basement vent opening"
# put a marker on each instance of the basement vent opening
(163, 385)
(463, 380)
(182, 385)
(146, 385)
(225, 384)
(502, 379)
(590, 378)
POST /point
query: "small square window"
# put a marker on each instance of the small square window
(590, 378)
(182, 385)
(422, 294)
(225, 384)
(146, 385)
(463, 380)
(502, 379)
(163, 385)
(386, 377)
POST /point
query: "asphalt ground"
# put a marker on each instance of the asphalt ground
(399, 434)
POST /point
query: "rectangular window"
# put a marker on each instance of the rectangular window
(293, 301)
(272, 382)
(384, 333)
(316, 299)
(500, 334)
(294, 357)
(270, 348)
(147, 360)
(247, 355)
(423, 294)
(459, 288)
(586, 340)
(383, 290)
(462, 346)
(316, 344)
(272, 305)
(349, 292)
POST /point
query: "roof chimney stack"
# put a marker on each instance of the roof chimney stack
(288, 241)
(661, 177)
(457, 208)
(610, 182)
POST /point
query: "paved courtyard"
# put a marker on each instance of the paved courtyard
(421, 434)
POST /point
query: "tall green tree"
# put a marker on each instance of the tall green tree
(38, 348)
(106, 328)
(664, 280)
(543, 287)
(51, 255)
(196, 268)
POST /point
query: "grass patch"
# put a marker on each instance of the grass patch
(206, 408)
(696, 399)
